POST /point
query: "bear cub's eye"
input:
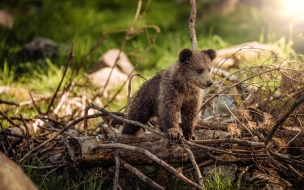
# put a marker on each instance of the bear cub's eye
(199, 71)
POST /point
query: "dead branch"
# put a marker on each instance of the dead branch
(34, 103)
(117, 170)
(58, 133)
(125, 120)
(191, 23)
(8, 103)
(230, 140)
(78, 150)
(198, 172)
(286, 158)
(63, 76)
(149, 155)
(130, 82)
(141, 175)
(224, 89)
(282, 119)
(8, 119)
(7, 140)
(223, 151)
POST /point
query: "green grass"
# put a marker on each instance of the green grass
(7, 75)
(91, 179)
(217, 180)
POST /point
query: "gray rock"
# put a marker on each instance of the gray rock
(39, 48)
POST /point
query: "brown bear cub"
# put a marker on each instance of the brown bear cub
(173, 94)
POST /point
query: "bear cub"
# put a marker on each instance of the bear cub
(173, 94)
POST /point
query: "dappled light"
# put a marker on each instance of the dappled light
(293, 8)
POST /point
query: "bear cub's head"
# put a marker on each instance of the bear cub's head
(196, 65)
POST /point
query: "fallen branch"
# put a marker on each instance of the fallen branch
(198, 172)
(151, 156)
(141, 175)
(8, 103)
(230, 140)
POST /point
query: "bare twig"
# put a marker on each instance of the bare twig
(85, 122)
(63, 76)
(237, 118)
(125, 120)
(191, 23)
(117, 169)
(8, 142)
(63, 98)
(223, 151)
(7, 118)
(60, 132)
(55, 130)
(130, 82)
(8, 103)
(141, 175)
(285, 158)
(295, 171)
(230, 140)
(198, 172)
(53, 137)
(236, 84)
(34, 103)
(27, 135)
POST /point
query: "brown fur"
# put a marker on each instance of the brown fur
(173, 93)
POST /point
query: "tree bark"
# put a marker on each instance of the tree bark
(78, 150)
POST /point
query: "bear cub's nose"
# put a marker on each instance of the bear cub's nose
(209, 83)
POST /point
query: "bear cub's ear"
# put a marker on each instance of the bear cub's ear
(210, 52)
(185, 54)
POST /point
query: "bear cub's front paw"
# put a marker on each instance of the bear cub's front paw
(175, 134)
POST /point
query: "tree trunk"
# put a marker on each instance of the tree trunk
(78, 150)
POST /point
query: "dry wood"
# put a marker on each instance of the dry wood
(141, 175)
(191, 23)
(8, 102)
(198, 172)
(150, 156)
(231, 140)
(78, 150)
(282, 119)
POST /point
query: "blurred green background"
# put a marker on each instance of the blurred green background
(219, 24)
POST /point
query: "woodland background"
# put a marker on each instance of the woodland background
(84, 30)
